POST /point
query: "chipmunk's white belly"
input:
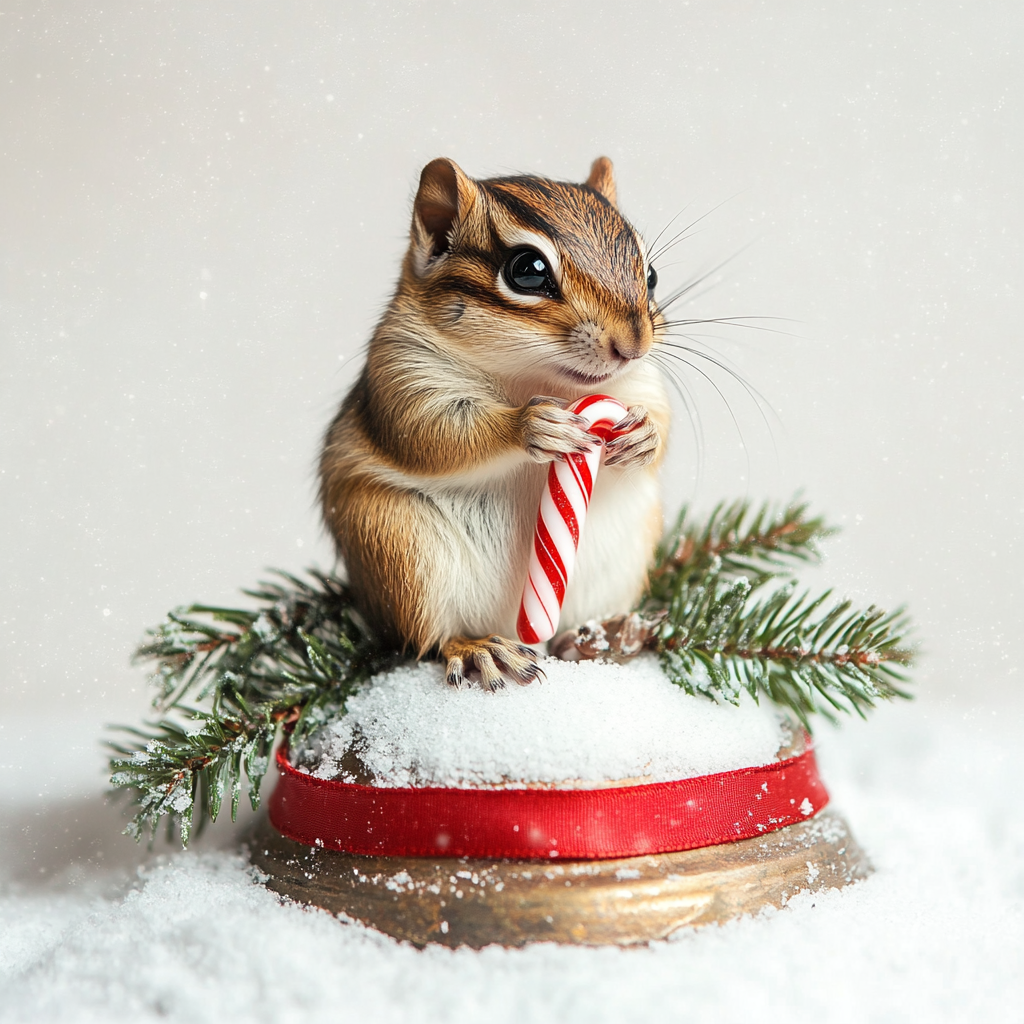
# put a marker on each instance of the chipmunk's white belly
(485, 534)
(615, 546)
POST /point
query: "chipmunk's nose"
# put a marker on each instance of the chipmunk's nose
(632, 338)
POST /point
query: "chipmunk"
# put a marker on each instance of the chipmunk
(517, 296)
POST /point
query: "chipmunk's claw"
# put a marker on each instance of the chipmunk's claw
(550, 430)
(494, 660)
(530, 673)
(637, 441)
(490, 676)
(454, 676)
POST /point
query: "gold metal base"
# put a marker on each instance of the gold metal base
(467, 902)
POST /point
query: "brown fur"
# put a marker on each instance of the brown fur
(462, 400)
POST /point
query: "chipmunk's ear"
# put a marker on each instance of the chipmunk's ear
(445, 197)
(602, 178)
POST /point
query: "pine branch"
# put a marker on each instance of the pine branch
(176, 762)
(229, 679)
(713, 639)
(761, 545)
(294, 660)
(715, 642)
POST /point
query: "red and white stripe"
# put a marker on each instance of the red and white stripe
(563, 509)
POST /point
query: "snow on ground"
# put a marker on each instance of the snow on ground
(93, 929)
(589, 721)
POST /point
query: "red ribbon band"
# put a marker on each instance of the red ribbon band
(575, 824)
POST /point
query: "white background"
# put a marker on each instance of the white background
(202, 208)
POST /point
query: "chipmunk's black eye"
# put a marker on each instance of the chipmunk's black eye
(527, 271)
(652, 280)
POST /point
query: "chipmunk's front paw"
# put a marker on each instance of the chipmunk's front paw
(550, 430)
(638, 440)
(492, 660)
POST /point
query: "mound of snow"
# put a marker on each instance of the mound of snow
(586, 723)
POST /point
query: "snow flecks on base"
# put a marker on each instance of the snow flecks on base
(934, 935)
(587, 721)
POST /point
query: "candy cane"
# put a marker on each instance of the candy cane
(563, 508)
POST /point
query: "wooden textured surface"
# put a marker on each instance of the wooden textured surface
(624, 902)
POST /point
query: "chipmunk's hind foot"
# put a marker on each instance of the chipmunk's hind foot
(492, 661)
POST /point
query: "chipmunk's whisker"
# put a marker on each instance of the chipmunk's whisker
(731, 321)
(689, 405)
(681, 235)
(688, 286)
(657, 237)
(722, 364)
(761, 403)
(725, 401)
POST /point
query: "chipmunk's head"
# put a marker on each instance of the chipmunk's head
(533, 278)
